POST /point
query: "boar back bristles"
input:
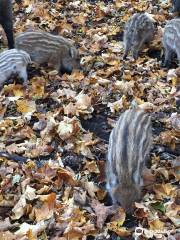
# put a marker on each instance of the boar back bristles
(129, 146)
(55, 50)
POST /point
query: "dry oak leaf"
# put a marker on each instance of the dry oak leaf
(24, 106)
(81, 147)
(20, 207)
(175, 121)
(78, 232)
(164, 190)
(172, 76)
(48, 132)
(79, 196)
(67, 177)
(90, 187)
(83, 101)
(102, 81)
(118, 105)
(148, 177)
(36, 229)
(80, 18)
(38, 87)
(70, 109)
(102, 212)
(42, 149)
(75, 76)
(17, 90)
(68, 127)
(8, 236)
(141, 211)
(147, 106)
(92, 167)
(120, 231)
(66, 92)
(6, 224)
(172, 212)
(168, 138)
(125, 87)
(46, 210)
(156, 224)
(45, 173)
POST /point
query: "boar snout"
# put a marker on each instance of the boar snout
(65, 69)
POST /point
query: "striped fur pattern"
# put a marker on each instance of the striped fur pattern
(48, 48)
(176, 6)
(13, 62)
(138, 30)
(171, 40)
(129, 146)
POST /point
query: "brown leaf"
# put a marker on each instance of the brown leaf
(102, 212)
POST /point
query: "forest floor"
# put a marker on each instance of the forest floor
(55, 133)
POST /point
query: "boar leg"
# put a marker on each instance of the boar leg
(127, 47)
(23, 75)
(178, 56)
(168, 57)
(126, 51)
(136, 49)
(8, 28)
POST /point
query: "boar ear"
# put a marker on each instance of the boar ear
(73, 52)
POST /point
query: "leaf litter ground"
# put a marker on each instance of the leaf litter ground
(61, 124)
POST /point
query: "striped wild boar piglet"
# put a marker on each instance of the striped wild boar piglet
(129, 146)
(171, 41)
(138, 30)
(13, 62)
(47, 48)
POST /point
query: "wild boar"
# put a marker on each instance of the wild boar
(138, 30)
(13, 62)
(6, 20)
(55, 50)
(176, 6)
(129, 147)
(171, 41)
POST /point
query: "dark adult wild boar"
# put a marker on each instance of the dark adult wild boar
(6, 19)
(55, 50)
(129, 146)
(176, 6)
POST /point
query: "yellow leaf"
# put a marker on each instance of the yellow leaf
(156, 224)
(25, 106)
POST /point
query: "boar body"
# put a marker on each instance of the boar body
(47, 48)
(13, 62)
(176, 6)
(171, 40)
(129, 146)
(138, 30)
